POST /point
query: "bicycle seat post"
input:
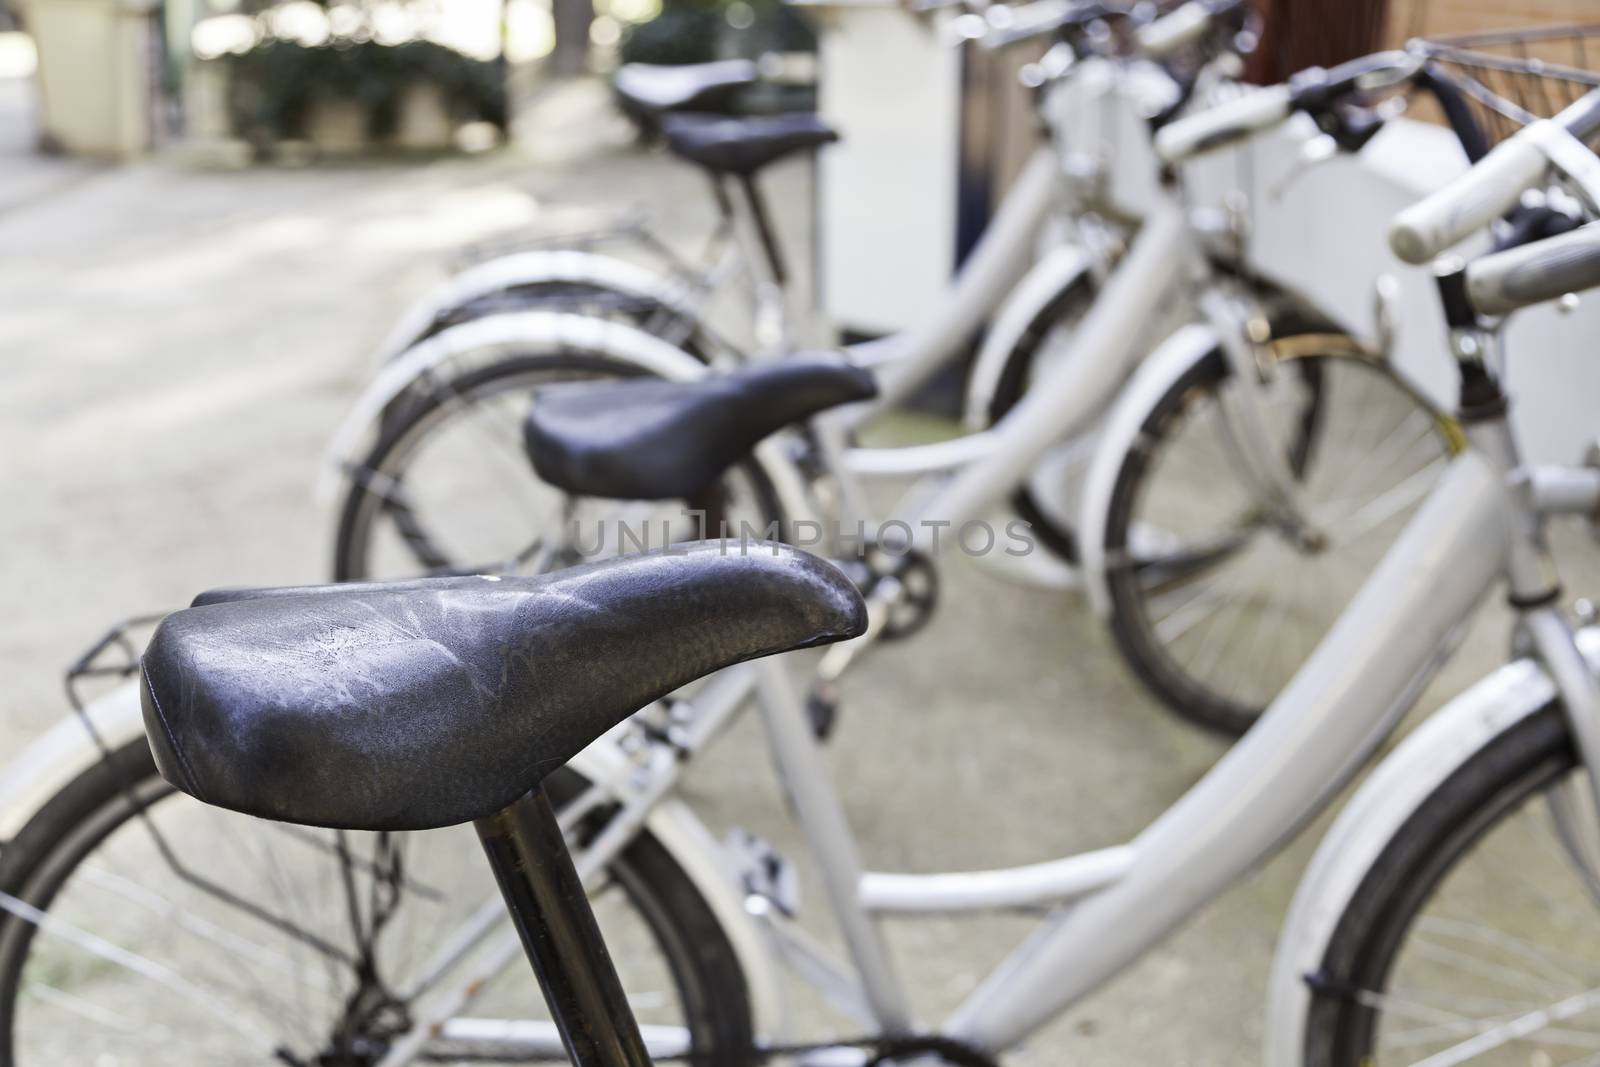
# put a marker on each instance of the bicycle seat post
(546, 898)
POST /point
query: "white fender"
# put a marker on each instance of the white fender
(710, 868)
(586, 334)
(1433, 752)
(43, 768)
(1154, 377)
(66, 751)
(1058, 271)
(508, 272)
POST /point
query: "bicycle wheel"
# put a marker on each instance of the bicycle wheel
(593, 300)
(1215, 600)
(1046, 340)
(1474, 937)
(138, 926)
(448, 487)
(590, 299)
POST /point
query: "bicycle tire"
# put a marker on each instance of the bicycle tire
(55, 843)
(1063, 311)
(362, 505)
(1212, 702)
(1530, 755)
(590, 299)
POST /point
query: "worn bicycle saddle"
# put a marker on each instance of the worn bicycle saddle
(415, 704)
(648, 439)
(652, 88)
(742, 146)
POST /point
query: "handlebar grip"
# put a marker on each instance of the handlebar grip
(1535, 272)
(1471, 202)
(1182, 26)
(1018, 24)
(1223, 124)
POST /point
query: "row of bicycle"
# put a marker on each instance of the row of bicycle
(1283, 533)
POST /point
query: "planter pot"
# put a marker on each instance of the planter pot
(425, 123)
(337, 127)
(96, 64)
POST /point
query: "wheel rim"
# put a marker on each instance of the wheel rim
(161, 931)
(1219, 599)
(452, 491)
(1486, 952)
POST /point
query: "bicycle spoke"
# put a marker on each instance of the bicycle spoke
(1243, 589)
(1352, 526)
(1519, 1028)
(127, 1029)
(186, 920)
(139, 965)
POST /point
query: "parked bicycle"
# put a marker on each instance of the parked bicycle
(1187, 582)
(143, 927)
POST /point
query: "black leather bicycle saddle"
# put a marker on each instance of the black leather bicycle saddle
(648, 439)
(649, 88)
(743, 145)
(409, 705)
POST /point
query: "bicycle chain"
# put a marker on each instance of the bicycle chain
(918, 594)
(952, 1052)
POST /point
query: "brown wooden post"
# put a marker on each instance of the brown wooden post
(572, 21)
(1297, 34)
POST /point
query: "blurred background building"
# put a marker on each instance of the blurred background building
(892, 210)
(933, 132)
(117, 78)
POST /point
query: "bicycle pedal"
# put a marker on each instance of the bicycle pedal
(763, 871)
(822, 708)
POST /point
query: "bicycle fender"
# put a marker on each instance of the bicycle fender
(594, 336)
(505, 273)
(1383, 803)
(1119, 433)
(710, 868)
(44, 767)
(1060, 270)
(53, 760)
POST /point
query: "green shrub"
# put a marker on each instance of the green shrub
(273, 85)
(698, 32)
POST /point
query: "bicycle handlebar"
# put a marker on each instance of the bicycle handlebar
(1175, 30)
(1487, 191)
(1028, 21)
(928, 7)
(1314, 90)
(1183, 26)
(1471, 202)
(1534, 273)
(1224, 124)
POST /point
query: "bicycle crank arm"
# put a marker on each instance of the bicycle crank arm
(886, 593)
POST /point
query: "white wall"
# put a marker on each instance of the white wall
(891, 85)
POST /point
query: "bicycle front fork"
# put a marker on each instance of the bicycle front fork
(542, 889)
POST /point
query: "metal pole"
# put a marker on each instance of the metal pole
(552, 915)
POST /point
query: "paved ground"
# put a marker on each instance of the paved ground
(24, 175)
(178, 345)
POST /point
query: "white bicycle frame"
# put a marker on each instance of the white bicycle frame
(1127, 896)
(1108, 906)
(994, 286)
(1481, 522)
(1065, 403)
(980, 287)
(1111, 904)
